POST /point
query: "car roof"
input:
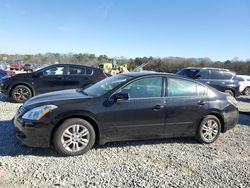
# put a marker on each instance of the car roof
(63, 64)
(143, 73)
(208, 68)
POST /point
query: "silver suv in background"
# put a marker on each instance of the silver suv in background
(244, 82)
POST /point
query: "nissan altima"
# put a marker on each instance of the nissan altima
(129, 106)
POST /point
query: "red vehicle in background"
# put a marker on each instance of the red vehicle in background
(15, 66)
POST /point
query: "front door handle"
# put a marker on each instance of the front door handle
(157, 107)
(201, 102)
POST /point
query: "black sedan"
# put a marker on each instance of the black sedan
(52, 78)
(129, 106)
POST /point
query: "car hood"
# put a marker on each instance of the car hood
(56, 96)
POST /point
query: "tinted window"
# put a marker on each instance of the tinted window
(216, 74)
(221, 75)
(89, 71)
(144, 88)
(203, 74)
(54, 71)
(76, 70)
(179, 87)
(228, 75)
(188, 72)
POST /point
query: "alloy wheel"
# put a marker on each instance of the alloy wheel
(75, 138)
(210, 130)
(247, 91)
(22, 94)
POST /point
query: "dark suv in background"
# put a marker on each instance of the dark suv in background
(52, 78)
(221, 79)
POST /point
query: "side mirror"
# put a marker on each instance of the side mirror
(120, 96)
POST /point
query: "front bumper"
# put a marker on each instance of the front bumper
(3, 88)
(32, 133)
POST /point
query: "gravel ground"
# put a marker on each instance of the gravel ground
(178, 162)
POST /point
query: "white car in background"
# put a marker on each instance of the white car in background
(244, 82)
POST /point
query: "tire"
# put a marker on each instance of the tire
(247, 91)
(210, 125)
(68, 140)
(21, 93)
(229, 92)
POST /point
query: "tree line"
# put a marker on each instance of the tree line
(168, 64)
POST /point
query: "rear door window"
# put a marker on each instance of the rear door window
(203, 74)
(89, 71)
(201, 90)
(179, 87)
(76, 70)
(217, 75)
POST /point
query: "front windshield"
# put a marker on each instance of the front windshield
(104, 86)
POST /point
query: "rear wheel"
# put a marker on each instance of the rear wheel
(74, 137)
(209, 129)
(247, 91)
(21, 93)
(229, 92)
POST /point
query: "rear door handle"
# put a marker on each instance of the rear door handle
(157, 107)
(201, 102)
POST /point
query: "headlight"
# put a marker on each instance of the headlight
(38, 112)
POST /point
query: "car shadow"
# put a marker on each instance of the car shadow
(121, 144)
(10, 146)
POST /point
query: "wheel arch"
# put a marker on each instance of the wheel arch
(83, 116)
(20, 83)
(219, 116)
(230, 89)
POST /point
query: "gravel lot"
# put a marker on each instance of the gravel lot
(157, 163)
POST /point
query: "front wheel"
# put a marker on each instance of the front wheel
(209, 129)
(74, 137)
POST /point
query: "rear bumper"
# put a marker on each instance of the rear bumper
(231, 116)
(32, 133)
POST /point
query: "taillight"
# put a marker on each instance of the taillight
(232, 100)
(101, 77)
